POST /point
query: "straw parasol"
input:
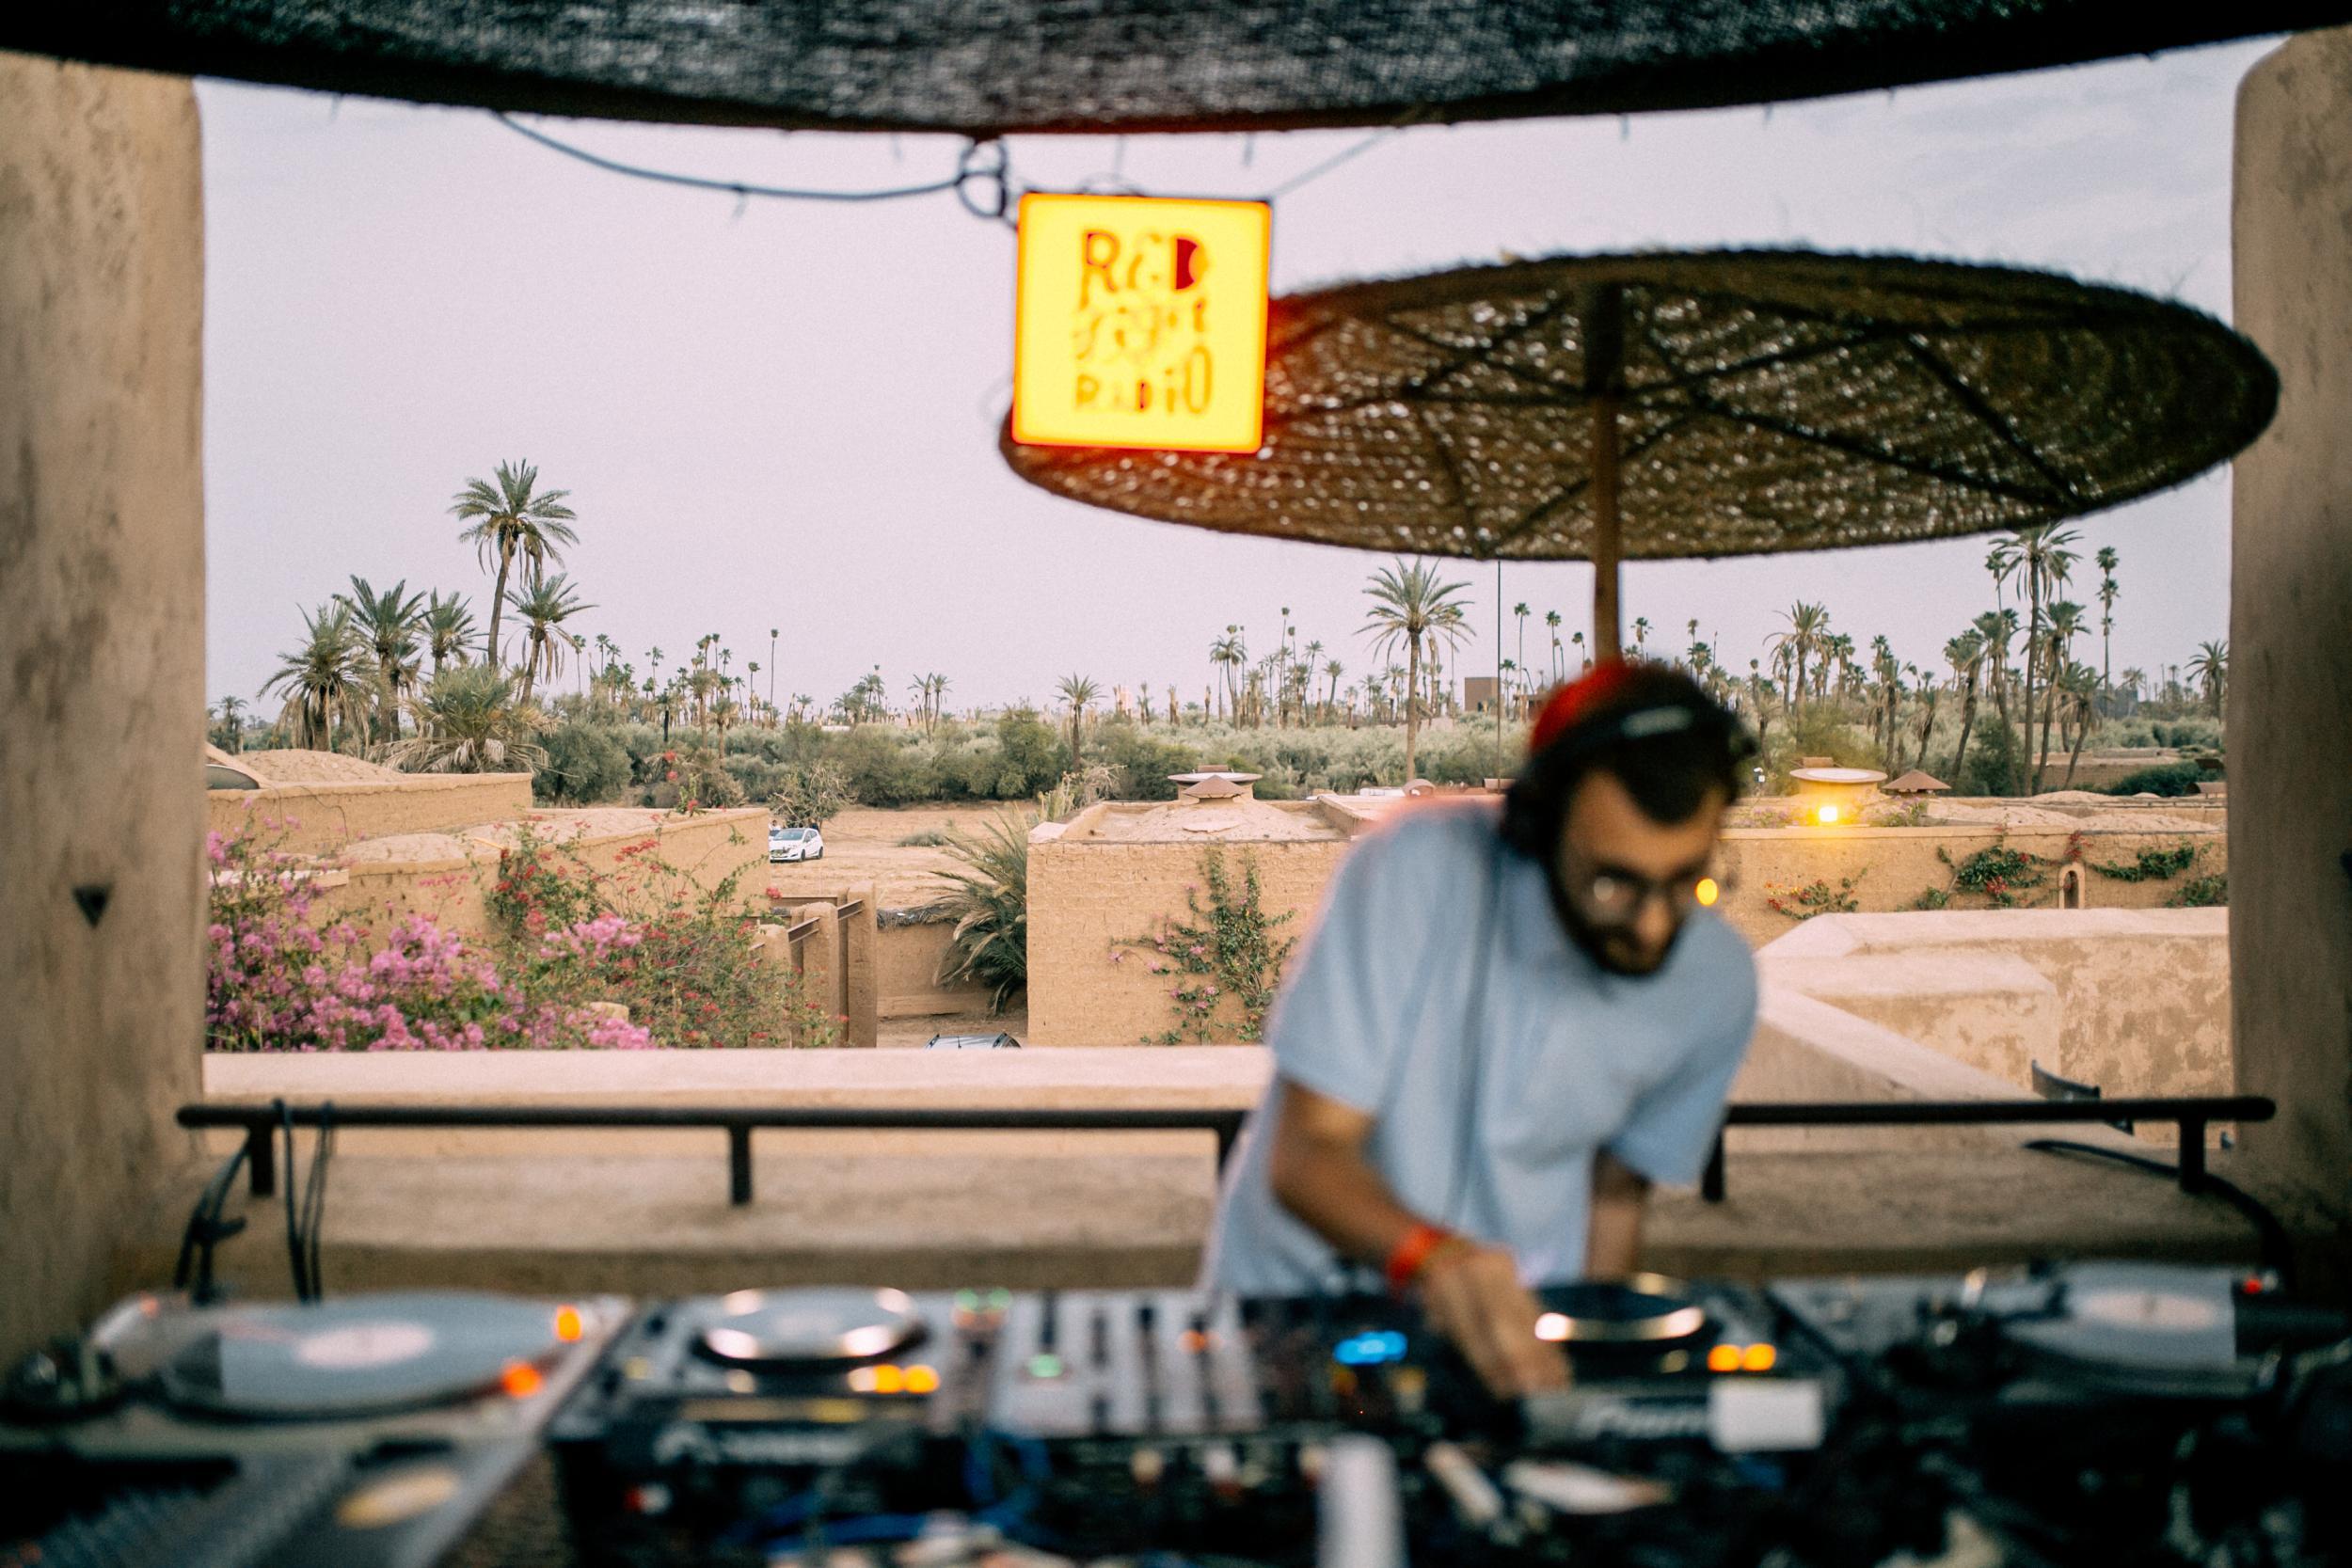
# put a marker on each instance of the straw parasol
(986, 68)
(1657, 407)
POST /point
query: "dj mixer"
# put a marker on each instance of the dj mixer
(2107, 1413)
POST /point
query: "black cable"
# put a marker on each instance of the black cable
(733, 187)
(294, 1260)
(2277, 1251)
(205, 1230)
(314, 1199)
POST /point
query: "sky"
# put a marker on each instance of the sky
(783, 414)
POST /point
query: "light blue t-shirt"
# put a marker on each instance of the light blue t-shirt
(1574, 1059)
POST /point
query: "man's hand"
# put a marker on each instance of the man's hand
(1472, 1295)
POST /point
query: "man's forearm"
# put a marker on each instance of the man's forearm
(1343, 1200)
(1612, 1237)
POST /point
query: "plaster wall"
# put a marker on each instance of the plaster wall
(2142, 996)
(2290, 716)
(381, 885)
(102, 680)
(311, 817)
(909, 955)
(1892, 867)
(1084, 896)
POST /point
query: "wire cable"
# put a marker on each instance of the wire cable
(205, 1230)
(296, 1260)
(314, 1200)
(738, 188)
(2277, 1251)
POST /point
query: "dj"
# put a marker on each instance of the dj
(1504, 1029)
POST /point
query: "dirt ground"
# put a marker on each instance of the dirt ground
(866, 844)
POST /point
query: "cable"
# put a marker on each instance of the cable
(2278, 1252)
(1346, 154)
(741, 188)
(296, 1260)
(205, 1230)
(314, 1199)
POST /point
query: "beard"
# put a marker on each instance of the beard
(1614, 948)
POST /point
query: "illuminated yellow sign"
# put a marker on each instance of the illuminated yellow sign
(1140, 321)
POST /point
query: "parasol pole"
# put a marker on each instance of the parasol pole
(1604, 382)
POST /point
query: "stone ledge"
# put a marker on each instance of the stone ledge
(1173, 1077)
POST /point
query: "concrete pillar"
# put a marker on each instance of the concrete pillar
(861, 949)
(2290, 702)
(102, 672)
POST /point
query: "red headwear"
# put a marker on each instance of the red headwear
(1578, 700)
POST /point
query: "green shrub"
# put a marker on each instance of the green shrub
(808, 794)
(2152, 866)
(586, 764)
(1994, 764)
(1225, 958)
(2167, 779)
(2202, 892)
(1140, 761)
(884, 766)
(990, 906)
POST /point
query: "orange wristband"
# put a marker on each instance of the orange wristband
(1412, 1253)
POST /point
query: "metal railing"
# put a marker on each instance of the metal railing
(261, 1120)
(2193, 1114)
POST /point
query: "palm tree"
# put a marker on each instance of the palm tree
(1409, 605)
(2210, 669)
(387, 623)
(325, 680)
(1231, 653)
(773, 632)
(2108, 593)
(1520, 614)
(544, 606)
(1965, 655)
(1081, 693)
(2062, 624)
(233, 722)
(448, 627)
(2078, 685)
(2134, 681)
(2039, 553)
(512, 518)
(1551, 623)
(471, 719)
(1641, 634)
(1808, 627)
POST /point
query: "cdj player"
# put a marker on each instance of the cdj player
(2096, 1414)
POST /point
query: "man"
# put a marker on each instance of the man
(1506, 1028)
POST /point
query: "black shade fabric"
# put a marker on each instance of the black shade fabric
(1768, 400)
(987, 67)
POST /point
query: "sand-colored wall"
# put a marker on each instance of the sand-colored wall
(910, 954)
(1085, 897)
(1894, 866)
(311, 817)
(2134, 1001)
(101, 671)
(709, 847)
(2289, 712)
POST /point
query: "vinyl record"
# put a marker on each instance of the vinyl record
(809, 1327)
(1639, 1309)
(360, 1355)
(2145, 1328)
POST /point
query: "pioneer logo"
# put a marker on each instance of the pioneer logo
(692, 1442)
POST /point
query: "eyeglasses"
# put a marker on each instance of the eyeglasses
(1614, 897)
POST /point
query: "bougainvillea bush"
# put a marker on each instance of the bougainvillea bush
(566, 942)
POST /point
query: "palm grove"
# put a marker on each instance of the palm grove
(422, 681)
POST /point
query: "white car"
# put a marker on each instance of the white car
(794, 843)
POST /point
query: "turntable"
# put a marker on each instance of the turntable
(368, 1430)
(2074, 1333)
